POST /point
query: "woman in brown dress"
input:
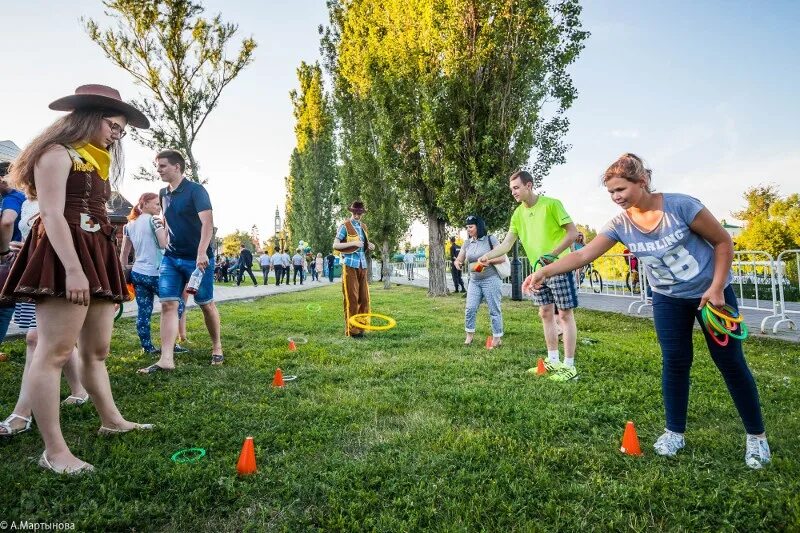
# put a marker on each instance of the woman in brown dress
(69, 264)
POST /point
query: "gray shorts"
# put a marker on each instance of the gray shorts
(560, 290)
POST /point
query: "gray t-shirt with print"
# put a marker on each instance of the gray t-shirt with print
(474, 249)
(678, 262)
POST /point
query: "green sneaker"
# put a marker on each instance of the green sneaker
(550, 367)
(565, 373)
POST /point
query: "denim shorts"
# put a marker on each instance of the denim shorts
(174, 275)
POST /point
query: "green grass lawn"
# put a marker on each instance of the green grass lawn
(408, 430)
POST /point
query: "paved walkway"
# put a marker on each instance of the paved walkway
(620, 304)
(222, 293)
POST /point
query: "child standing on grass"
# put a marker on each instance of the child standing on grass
(687, 257)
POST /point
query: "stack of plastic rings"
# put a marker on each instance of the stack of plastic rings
(722, 323)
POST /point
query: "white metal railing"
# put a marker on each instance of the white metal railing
(783, 280)
(756, 265)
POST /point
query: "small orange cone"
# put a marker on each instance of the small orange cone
(247, 458)
(540, 369)
(489, 343)
(292, 346)
(630, 442)
(277, 381)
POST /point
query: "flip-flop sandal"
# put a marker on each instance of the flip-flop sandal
(75, 400)
(152, 369)
(217, 360)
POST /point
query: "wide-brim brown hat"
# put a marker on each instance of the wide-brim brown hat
(357, 208)
(101, 96)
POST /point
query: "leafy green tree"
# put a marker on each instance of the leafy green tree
(232, 244)
(457, 89)
(772, 222)
(311, 184)
(179, 58)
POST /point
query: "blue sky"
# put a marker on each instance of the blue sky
(704, 91)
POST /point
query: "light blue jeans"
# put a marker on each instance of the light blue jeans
(489, 289)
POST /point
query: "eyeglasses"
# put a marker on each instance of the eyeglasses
(116, 128)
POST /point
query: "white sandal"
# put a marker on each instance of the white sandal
(75, 400)
(85, 468)
(105, 431)
(10, 432)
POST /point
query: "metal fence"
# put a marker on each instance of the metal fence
(784, 281)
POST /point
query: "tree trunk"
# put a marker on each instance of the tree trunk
(192, 165)
(437, 286)
(387, 279)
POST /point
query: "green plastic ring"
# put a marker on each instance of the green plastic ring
(182, 456)
(119, 312)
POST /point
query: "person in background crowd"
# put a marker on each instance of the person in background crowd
(331, 260)
(286, 261)
(246, 265)
(318, 263)
(458, 280)
(299, 266)
(264, 262)
(10, 212)
(409, 260)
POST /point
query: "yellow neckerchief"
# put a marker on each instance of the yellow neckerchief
(99, 158)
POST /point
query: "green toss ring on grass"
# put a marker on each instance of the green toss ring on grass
(298, 340)
(313, 308)
(188, 455)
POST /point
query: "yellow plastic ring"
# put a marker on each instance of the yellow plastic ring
(735, 319)
(390, 322)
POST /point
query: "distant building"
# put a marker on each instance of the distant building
(8, 150)
(733, 231)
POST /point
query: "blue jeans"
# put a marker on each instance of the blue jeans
(5, 319)
(146, 288)
(489, 289)
(175, 274)
(674, 321)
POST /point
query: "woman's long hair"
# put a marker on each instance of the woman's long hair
(137, 209)
(74, 129)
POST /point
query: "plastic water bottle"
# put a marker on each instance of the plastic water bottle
(194, 281)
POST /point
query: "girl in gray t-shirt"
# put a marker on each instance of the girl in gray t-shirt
(687, 257)
(484, 284)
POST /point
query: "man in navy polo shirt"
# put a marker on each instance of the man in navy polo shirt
(190, 226)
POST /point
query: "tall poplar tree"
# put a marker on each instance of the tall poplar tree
(463, 92)
(311, 185)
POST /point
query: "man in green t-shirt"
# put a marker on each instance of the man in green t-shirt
(546, 232)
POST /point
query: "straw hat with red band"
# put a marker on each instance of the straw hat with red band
(357, 208)
(103, 97)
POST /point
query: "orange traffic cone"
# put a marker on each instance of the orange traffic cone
(630, 442)
(277, 381)
(247, 458)
(540, 369)
(292, 346)
(489, 343)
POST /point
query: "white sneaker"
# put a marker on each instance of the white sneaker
(669, 443)
(757, 452)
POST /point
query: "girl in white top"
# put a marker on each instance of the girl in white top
(145, 234)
